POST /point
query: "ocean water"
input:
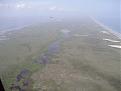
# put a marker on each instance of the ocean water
(10, 23)
(15, 22)
(111, 22)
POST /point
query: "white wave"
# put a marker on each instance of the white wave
(111, 40)
(118, 35)
(115, 46)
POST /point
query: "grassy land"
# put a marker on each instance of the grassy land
(21, 51)
(84, 63)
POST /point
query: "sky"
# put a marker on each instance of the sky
(46, 7)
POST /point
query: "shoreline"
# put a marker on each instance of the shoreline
(118, 35)
(5, 31)
(4, 34)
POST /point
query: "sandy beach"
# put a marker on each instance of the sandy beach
(118, 35)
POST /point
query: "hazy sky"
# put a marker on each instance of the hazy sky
(40, 7)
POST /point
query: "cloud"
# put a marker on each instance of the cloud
(20, 6)
(1, 5)
(31, 6)
(60, 9)
(55, 8)
(5, 5)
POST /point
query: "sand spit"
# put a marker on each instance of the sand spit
(4, 39)
(115, 46)
(105, 32)
(111, 40)
(79, 35)
(65, 31)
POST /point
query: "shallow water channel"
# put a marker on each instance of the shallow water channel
(54, 47)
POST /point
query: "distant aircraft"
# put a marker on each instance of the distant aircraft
(51, 17)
